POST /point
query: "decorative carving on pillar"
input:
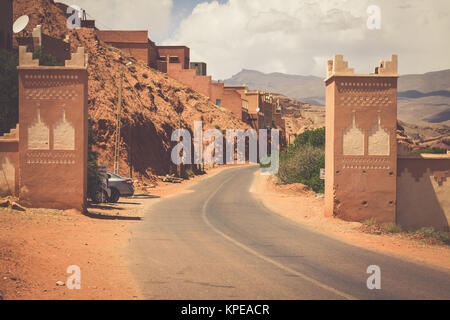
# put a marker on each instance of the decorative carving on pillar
(38, 134)
(379, 140)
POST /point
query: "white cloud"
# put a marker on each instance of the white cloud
(298, 36)
(152, 15)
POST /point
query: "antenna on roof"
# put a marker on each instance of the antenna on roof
(20, 24)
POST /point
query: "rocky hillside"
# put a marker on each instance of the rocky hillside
(300, 116)
(154, 105)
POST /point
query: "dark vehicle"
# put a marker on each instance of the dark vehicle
(120, 187)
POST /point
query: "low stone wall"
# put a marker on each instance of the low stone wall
(423, 191)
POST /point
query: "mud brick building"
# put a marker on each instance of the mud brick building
(175, 54)
(175, 61)
(44, 162)
(365, 177)
(251, 107)
(259, 108)
(177, 67)
(361, 142)
(6, 24)
(251, 111)
(135, 43)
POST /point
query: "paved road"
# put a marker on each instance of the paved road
(219, 242)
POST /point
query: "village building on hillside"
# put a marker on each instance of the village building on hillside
(259, 109)
(252, 107)
(175, 54)
(135, 43)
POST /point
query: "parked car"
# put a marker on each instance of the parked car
(120, 187)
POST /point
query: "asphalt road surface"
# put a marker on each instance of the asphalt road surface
(219, 242)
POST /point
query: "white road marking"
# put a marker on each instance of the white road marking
(263, 257)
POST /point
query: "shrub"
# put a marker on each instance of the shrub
(429, 232)
(431, 150)
(370, 222)
(303, 166)
(391, 227)
(302, 161)
(315, 138)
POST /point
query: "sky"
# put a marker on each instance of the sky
(289, 36)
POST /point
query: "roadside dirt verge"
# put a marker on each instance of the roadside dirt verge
(37, 247)
(306, 208)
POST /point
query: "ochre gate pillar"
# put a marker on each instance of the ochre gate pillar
(53, 132)
(361, 147)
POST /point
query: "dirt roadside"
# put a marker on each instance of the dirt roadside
(304, 207)
(38, 245)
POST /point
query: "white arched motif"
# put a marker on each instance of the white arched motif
(378, 144)
(63, 134)
(353, 139)
(38, 134)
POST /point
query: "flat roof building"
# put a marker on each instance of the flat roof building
(199, 67)
(176, 54)
(135, 43)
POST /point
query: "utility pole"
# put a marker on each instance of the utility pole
(119, 120)
(180, 166)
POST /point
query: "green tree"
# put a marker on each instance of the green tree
(9, 105)
(315, 138)
(433, 150)
(9, 87)
(302, 161)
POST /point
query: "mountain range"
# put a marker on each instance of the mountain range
(423, 99)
